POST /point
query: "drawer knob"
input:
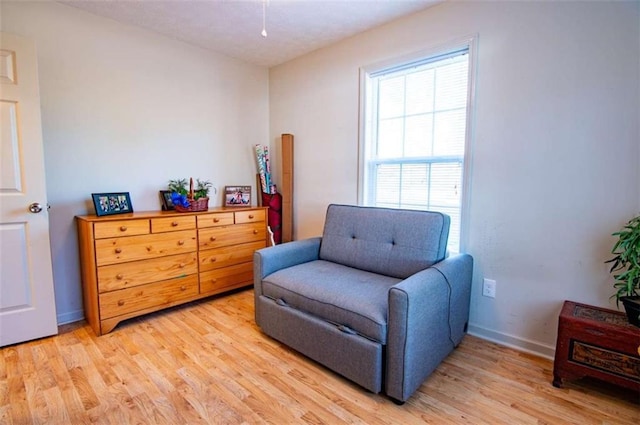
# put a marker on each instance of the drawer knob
(250, 216)
(120, 303)
(214, 280)
(255, 232)
(149, 248)
(183, 288)
(118, 250)
(119, 276)
(216, 220)
(181, 265)
(213, 259)
(174, 223)
(180, 242)
(123, 228)
(212, 238)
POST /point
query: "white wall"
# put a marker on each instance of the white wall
(555, 146)
(124, 109)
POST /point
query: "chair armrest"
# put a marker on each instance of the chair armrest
(424, 309)
(270, 260)
(274, 258)
(458, 271)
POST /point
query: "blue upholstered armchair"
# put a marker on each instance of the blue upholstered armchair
(375, 298)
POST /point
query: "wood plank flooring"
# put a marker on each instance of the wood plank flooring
(208, 363)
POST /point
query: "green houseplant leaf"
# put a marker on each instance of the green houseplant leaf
(202, 189)
(178, 186)
(625, 266)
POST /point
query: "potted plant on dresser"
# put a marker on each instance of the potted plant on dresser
(626, 269)
(193, 199)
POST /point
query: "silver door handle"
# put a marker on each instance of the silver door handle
(35, 208)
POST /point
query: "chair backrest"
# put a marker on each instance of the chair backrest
(386, 241)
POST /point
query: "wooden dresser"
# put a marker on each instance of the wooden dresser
(133, 264)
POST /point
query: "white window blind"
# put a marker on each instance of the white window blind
(415, 136)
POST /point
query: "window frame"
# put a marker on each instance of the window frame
(365, 183)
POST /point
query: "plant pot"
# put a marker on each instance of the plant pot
(632, 308)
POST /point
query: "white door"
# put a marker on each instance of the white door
(27, 304)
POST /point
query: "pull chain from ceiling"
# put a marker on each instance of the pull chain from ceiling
(264, 18)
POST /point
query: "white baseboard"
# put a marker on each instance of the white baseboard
(70, 317)
(514, 342)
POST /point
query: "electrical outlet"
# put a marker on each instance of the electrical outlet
(489, 288)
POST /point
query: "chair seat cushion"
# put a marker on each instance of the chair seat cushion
(352, 299)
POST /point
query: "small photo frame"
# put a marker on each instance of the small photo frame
(165, 198)
(112, 203)
(237, 196)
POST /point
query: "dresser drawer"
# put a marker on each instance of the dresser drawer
(249, 216)
(220, 280)
(171, 224)
(217, 219)
(150, 295)
(227, 256)
(112, 229)
(135, 273)
(118, 250)
(216, 237)
(607, 360)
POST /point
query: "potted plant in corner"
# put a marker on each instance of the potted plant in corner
(626, 269)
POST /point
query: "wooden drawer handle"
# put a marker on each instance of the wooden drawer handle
(255, 232)
(216, 220)
(149, 248)
(213, 260)
(183, 288)
(120, 303)
(180, 243)
(250, 216)
(174, 223)
(214, 280)
(123, 228)
(181, 265)
(212, 238)
(118, 250)
(119, 276)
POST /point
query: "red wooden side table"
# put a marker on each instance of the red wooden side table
(598, 343)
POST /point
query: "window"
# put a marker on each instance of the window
(415, 135)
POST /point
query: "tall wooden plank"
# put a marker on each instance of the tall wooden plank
(287, 187)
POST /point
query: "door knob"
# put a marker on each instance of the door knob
(35, 207)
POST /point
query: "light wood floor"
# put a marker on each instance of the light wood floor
(207, 362)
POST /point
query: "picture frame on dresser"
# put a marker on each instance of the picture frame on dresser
(112, 203)
(167, 203)
(237, 196)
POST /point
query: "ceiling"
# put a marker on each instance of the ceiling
(233, 27)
